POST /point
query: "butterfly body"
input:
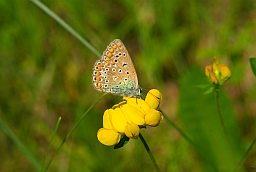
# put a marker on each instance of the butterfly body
(115, 73)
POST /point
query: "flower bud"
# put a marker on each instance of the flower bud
(217, 73)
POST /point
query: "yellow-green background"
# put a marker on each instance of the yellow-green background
(45, 73)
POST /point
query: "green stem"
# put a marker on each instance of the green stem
(182, 133)
(149, 153)
(245, 155)
(217, 97)
(71, 131)
(65, 26)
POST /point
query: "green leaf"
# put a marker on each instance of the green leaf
(198, 113)
(253, 65)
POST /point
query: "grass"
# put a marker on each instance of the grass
(46, 71)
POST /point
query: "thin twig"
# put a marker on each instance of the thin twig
(149, 152)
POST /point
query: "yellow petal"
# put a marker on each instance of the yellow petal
(132, 130)
(133, 114)
(138, 103)
(118, 120)
(153, 118)
(106, 120)
(153, 98)
(225, 72)
(208, 70)
(108, 137)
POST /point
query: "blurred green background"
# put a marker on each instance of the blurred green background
(45, 73)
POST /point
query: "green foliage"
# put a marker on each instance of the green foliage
(253, 65)
(45, 72)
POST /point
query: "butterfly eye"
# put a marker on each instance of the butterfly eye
(125, 79)
(105, 85)
(117, 56)
(113, 69)
(120, 54)
(120, 70)
(106, 81)
(124, 54)
(106, 69)
(127, 73)
(115, 61)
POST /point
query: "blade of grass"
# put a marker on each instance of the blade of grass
(28, 154)
(245, 155)
(149, 153)
(67, 27)
(51, 138)
(71, 131)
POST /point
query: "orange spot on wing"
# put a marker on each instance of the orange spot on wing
(111, 50)
(99, 86)
(109, 54)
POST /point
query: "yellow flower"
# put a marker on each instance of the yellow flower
(127, 117)
(217, 73)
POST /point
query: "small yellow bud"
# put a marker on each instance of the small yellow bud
(108, 137)
(217, 73)
(153, 98)
(132, 130)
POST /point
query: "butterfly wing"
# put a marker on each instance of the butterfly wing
(115, 72)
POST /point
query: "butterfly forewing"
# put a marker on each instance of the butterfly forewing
(115, 72)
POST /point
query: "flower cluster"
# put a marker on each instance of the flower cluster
(217, 73)
(127, 117)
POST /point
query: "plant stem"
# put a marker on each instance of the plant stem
(217, 97)
(71, 131)
(65, 26)
(245, 155)
(182, 133)
(149, 152)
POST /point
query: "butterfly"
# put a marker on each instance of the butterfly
(115, 73)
